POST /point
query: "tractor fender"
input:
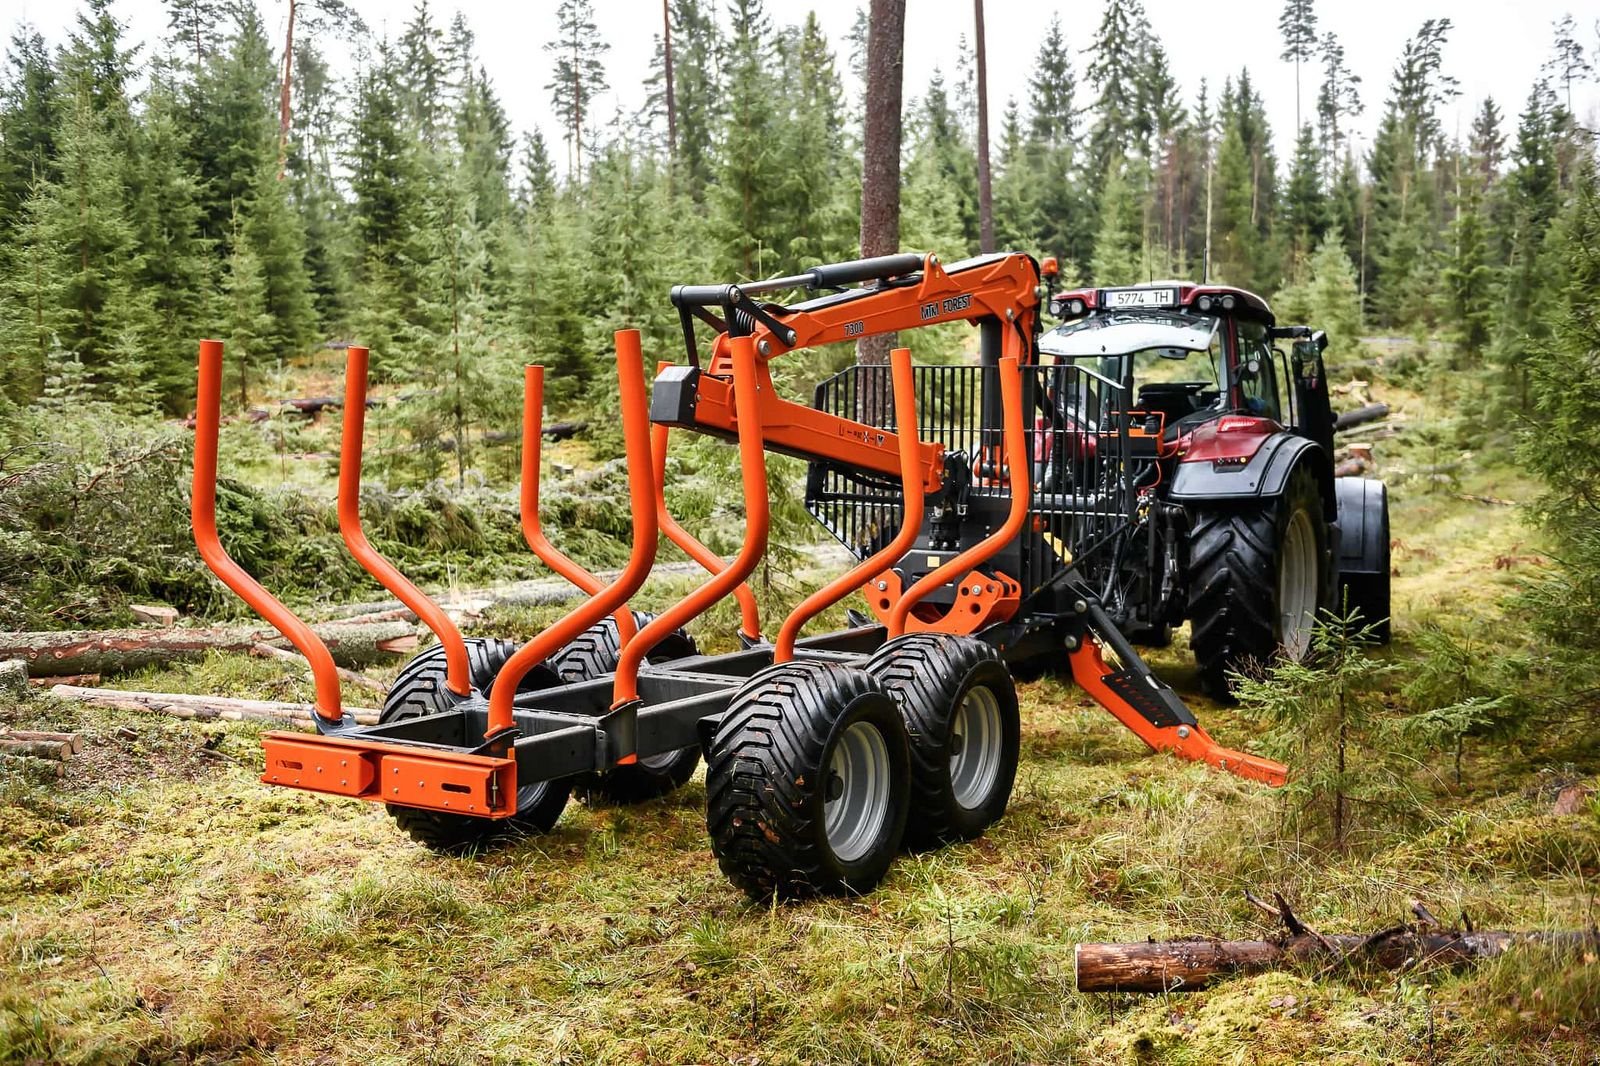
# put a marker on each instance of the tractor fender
(1263, 475)
(1363, 525)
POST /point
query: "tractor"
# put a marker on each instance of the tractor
(1004, 513)
(1242, 529)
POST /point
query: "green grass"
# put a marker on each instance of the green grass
(162, 905)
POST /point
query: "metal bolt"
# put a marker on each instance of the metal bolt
(1071, 643)
(1081, 607)
(977, 590)
(765, 347)
(1183, 732)
(883, 586)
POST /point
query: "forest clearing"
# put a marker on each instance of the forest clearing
(1372, 722)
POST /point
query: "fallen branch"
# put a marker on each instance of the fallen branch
(1492, 500)
(55, 653)
(184, 705)
(1188, 965)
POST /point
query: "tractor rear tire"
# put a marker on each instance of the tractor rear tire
(1249, 568)
(959, 703)
(808, 782)
(420, 690)
(594, 653)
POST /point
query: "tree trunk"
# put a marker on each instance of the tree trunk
(666, 56)
(54, 653)
(880, 163)
(73, 741)
(283, 98)
(985, 184)
(1188, 965)
(183, 705)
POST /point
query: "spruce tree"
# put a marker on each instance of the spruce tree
(30, 105)
(1297, 25)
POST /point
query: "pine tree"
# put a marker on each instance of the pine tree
(1338, 98)
(1119, 246)
(818, 180)
(1305, 213)
(1569, 62)
(1298, 27)
(1047, 172)
(248, 322)
(578, 74)
(750, 172)
(1118, 53)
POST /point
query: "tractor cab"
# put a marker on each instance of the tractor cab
(1185, 355)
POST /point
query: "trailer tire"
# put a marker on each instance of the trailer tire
(808, 782)
(959, 703)
(420, 690)
(1244, 559)
(594, 653)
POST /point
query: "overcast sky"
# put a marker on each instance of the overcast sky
(1495, 50)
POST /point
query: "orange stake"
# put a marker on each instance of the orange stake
(203, 518)
(458, 676)
(906, 426)
(753, 467)
(532, 530)
(1016, 446)
(641, 494)
(749, 612)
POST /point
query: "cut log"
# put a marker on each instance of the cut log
(157, 614)
(55, 653)
(58, 750)
(1371, 412)
(1188, 965)
(186, 705)
(74, 740)
(13, 677)
(34, 767)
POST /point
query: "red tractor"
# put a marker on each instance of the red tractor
(1241, 527)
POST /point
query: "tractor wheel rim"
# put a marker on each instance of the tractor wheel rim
(1297, 586)
(856, 792)
(975, 741)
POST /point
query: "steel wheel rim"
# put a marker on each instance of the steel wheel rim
(856, 792)
(1297, 586)
(975, 742)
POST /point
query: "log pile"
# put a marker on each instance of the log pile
(40, 753)
(1190, 965)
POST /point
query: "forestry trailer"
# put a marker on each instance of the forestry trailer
(1031, 507)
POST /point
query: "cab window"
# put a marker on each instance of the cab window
(1254, 373)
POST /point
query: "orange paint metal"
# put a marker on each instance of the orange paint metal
(1089, 670)
(456, 782)
(641, 495)
(203, 519)
(753, 472)
(457, 674)
(905, 419)
(532, 529)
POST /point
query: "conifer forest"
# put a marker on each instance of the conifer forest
(298, 177)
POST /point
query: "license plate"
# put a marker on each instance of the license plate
(1119, 298)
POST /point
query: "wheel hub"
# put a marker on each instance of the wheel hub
(975, 743)
(856, 792)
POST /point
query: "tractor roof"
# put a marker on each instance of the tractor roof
(1171, 295)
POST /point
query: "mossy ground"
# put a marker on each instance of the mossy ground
(162, 905)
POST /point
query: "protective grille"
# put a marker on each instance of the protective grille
(1084, 444)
